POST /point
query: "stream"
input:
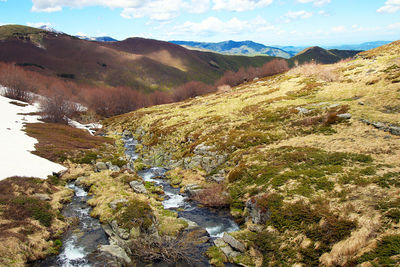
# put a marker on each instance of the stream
(80, 242)
(216, 222)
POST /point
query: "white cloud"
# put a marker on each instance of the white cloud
(317, 3)
(212, 25)
(338, 29)
(323, 13)
(302, 14)
(390, 6)
(394, 26)
(240, 5)
(38, 24)
(154, 9)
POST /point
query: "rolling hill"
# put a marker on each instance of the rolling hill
(237, 48)
(135, 62)
(320, 55)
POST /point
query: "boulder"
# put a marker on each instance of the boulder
(378, 125)
(394, 130)
(117, 252)
(122, 233)
(44, 197)
(202, 149)
(100, 166)
(191, 189)
(233, 242)
(346, 116)
(138, 187)
(225, 248)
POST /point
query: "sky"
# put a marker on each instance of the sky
(271, 22)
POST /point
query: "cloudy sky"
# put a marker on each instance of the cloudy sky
(271, 22)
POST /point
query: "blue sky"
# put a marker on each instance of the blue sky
(271, 22)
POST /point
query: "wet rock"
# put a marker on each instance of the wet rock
(44, 197)
(79, 180)
(138, 187)
(114, 204)
(257, 215)
(346, 116)
(100, 166)
(117, 252)
(233, 242)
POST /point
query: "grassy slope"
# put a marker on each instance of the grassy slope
(135, 62)
(331, 186)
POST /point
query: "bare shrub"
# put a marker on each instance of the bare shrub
(165, 248)
(214, 195)
(191, 89)
(311, 69)
(57, 109)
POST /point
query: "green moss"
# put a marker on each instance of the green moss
(388, 179)
(389, 246)
(136, 214)
(217, 257)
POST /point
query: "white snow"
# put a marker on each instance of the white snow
(16, 158)
(88, 127)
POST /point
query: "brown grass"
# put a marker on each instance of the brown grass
(57, 141)
(214, 195)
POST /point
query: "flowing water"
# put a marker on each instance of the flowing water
(81, 241)
(216, 222)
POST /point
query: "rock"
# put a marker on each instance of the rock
(302, 110)
(191, 189)
(114, 168)
(114, 204)
(233, 242)
(394, 130)
(122, 233)
(361, 103)
(257, 215)
(79, 180)
(100, 166)
(202, 149)
(334, 106)
(378, 125)
(117, 252)
(256, 228)
(218, 177)
(138, 187)
(44, 197)
(225, 248)
(346, 116)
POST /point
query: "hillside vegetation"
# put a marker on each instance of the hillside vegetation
(142, 64)
(309, 159)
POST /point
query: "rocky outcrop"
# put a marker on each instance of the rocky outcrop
(393, 129)
(233, 242)
(100, 166)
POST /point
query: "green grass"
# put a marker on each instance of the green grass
(8, 31)
(389, 246)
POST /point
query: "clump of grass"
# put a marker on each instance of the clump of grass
(389, 246)
(137, 213)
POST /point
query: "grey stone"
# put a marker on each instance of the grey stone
(117, 252)
(191, 189)
(394, 130)
(378, 125)
(225, 248)
(334, 106)
(138, 187)
(100, 166)
(346, 116)
(361, 103)
(122, 233)
(302, 110)
(202, 149)
(126, 133)
(233, 242)
(114, 168)
(257, 215)
(113, 204)
(44, 197)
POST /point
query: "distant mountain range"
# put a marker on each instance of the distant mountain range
(97, 39)
(248, 48)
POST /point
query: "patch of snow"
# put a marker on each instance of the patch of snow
(16, 158)
(88, 127)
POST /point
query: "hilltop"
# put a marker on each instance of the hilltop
(309, 160)
(320, 55)
(139, 63)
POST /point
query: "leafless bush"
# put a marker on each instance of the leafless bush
(57, 109)
(165, 248)
(324, 72)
